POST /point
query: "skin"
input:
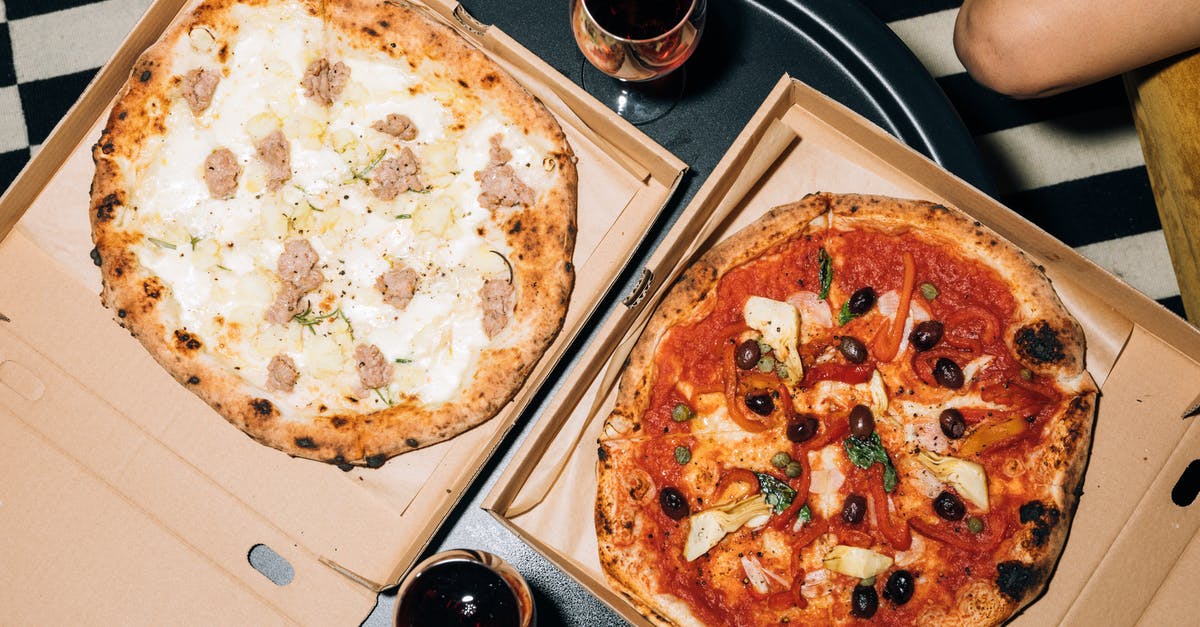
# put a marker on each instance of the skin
(1035, 48)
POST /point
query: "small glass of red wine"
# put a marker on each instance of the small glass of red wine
(464, 588)
(633, 48)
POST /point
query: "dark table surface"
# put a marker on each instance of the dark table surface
(838, 47)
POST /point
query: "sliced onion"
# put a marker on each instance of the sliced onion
(755, 573)
(813, 310)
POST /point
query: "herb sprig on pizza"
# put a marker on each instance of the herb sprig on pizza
(857, 407)
(339, 224)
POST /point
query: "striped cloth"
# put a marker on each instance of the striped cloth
(1071, 163)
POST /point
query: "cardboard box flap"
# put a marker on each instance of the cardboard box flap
(1141, 444)
(1131, 445)
(106, 533)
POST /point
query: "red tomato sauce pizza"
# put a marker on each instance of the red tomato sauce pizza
(857, 407)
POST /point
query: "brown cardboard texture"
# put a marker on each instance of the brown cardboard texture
(126, 498)
(1131, 548)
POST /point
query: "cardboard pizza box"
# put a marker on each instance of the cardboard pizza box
(124, 498)
(1133, 547)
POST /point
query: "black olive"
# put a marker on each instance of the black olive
(802, 428)
(747, 354)
(854, 508)
(853, 349)
(864, 601)
(760, 404)
(862, 422)
(899, 587)
(948, 374)
(673, 504)
(926, 335)
(949, 506)
(861, 300)
(952, 423)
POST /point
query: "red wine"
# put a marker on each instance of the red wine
(458, 594)
(638, 19)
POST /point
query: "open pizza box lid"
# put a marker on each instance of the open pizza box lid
(124, 497)
(1131, 552)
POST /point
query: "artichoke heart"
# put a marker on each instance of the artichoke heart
(969, 478)
(779, 323)
(856, 562)
(706, 528)
(879, 397)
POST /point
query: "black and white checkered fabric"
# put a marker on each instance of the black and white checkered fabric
(1071, 163)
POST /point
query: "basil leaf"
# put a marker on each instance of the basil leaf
(778, 494)
(890, 478)
(844, 314)
(805, 513)
(865, 452)
(825, 272)
(862, 453)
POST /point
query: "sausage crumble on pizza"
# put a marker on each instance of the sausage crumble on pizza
(857, 407)
(339, 224)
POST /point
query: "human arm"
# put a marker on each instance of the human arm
(1034, 48)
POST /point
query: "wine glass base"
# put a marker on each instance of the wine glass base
(639, 103)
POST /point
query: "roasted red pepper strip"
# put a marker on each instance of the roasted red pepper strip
(810, 532)
(961, 323)
(898, 536)
(852, 374)
(735, 484)
(889, 344)
(986, 540)
(744, 418)
(787, 518)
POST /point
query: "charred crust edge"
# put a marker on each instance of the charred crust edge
(1040, 343)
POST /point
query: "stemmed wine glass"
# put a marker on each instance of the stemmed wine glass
(633, 48)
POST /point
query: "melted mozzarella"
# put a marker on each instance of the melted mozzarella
(219, 257)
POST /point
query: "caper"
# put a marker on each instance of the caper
(854, 508)
(681, 412)
(781, 459)
(974, 524)
(952, 423)
(862, 422)
(926, 335)
(853, 349)
(948, 374)
(746, 355)
(760, 404)
(683, 455)
(861, 300)
(949, 506)
(899, 587)
(802, 428)
(766, 364)
(864, 601)
(793, 469)
(673, 504)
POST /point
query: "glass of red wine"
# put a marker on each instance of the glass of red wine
(464, 588)
(633, 48)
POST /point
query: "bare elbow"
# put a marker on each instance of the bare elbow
(998, 48)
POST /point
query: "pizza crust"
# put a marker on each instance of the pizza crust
(541, 238)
